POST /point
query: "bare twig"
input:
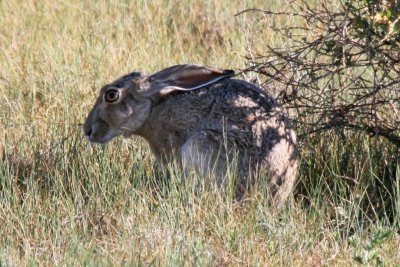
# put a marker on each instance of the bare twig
(334, 75)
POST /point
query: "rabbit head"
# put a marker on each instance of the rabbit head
(124, 105)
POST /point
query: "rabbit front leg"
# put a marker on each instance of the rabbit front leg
(204, 156)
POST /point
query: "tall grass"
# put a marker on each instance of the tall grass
(65, 202)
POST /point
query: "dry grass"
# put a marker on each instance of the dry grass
(64, 202)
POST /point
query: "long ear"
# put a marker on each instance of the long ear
(184, 78)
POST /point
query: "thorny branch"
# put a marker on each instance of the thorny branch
(335, 74)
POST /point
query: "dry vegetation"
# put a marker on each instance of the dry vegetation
(64, 202)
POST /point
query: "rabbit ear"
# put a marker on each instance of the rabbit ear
(184, 78)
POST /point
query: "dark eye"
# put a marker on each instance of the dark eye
(111, 95)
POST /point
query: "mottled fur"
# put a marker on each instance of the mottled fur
(228, 120)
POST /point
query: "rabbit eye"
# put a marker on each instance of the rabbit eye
(111, 95)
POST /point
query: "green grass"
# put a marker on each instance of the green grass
(65, 202)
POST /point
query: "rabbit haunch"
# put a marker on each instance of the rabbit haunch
(206, 120)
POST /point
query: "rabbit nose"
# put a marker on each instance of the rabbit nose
(88, 131)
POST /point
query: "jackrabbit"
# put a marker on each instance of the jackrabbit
(203, 118)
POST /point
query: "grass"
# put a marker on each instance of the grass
(64, 202)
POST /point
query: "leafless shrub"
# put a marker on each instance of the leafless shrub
(341, 68)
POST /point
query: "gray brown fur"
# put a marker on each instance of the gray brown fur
(204, 128)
